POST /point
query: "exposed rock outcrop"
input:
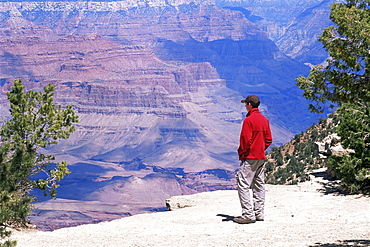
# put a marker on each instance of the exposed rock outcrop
(331, 145)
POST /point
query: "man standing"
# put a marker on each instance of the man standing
(255, 138)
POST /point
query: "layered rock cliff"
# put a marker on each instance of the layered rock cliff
(272, 16)
(157, 86)
(300, 40)
(295, 26)
(134, 109)
(239, 51)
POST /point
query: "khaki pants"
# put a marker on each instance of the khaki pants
(251, 176)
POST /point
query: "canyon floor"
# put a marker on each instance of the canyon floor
(312, 213)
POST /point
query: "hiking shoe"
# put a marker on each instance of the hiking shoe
(260, 217)
(240, 220)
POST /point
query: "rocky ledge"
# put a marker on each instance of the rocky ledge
(308, 214)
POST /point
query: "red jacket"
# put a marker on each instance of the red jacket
(255, 136)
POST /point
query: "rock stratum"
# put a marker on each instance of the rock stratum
(157, 86)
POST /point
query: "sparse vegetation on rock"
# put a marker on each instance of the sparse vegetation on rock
(289, 163)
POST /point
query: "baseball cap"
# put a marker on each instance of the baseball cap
(253, 99)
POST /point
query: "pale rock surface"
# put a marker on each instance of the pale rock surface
(309, 214)
(331, 145)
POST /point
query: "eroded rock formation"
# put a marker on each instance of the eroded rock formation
(157, 86)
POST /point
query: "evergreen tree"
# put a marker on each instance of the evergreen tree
(345, 80)
(354, 128)
(35, 123)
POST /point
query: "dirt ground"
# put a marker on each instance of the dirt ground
(308, 214)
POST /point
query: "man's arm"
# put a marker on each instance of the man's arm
(245, 139)
(268, 137)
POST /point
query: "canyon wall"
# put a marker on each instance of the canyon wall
(157, 86)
